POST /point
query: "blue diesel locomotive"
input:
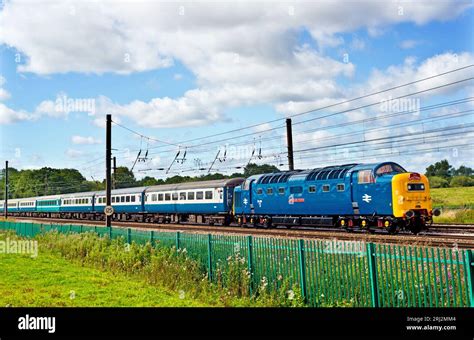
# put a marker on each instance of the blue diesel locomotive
(350, 196)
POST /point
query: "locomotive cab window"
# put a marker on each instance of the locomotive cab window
(326, 188)
(389, 169)
(312, 188)
(416, 187)
(340, 187)
(365, 176)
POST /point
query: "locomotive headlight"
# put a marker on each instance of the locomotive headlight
(387, 223)
(364, 223)
(343, 222)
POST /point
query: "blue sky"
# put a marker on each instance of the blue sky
(177, 80)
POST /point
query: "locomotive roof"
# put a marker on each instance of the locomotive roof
(218, 183)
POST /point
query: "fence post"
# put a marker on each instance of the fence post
(95, 229)
(178, 237)
(250, 261)
(468, 267)
(110, 233)
(129, 235)
(80, 228)
(152, 236)
(374, 288)
(209, 257)
(302, 269)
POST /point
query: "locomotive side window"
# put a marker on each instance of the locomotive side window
(259, 191)
(281, 191)
(340, 187)
(209, 195)
(312, 188)
(365, 176)
(416, 187)
(326, 188)
(296, 190)
(190, 196)
(270, 191)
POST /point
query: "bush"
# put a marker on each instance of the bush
(438, 182)
(461, 181)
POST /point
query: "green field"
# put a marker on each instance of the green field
(51, 281)
(457, 204)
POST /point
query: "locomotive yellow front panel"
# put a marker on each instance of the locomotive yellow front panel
(410, 191)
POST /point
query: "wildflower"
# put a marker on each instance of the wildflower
(291, 294)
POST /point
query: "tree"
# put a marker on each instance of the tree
(124, 178)
(463, 171)
(254, 169)
(438, 182)
(441, 169)
(461, 181)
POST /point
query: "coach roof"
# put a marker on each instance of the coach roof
(218, 183)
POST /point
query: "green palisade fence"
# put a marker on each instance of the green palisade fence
(327, 273)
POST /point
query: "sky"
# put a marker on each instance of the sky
(184, 74)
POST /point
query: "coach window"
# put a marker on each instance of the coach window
(127, 199)
(133, 198)
(209, 195)
(122, 199)
(340, 187)
(269, 191)
(153, 197)
(259, 191)
(190, 196)
(312, 188)
(326, 188)
(160, 197)
(182, 196)
(199, 195)
(281, 191)
(175, 196)
(296, 190)
(167, 196)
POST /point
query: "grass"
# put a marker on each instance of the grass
(457, 204)
(97, 271)
(52, 281)
(453, 197)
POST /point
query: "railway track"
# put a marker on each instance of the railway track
(462, 240)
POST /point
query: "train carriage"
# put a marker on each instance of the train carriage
(48, 204)
(77, 203)
(129, 200)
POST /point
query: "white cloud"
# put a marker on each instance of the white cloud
(72, 153)
(4, 94)
(240, 53)
(407, 44)
(84, 140)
